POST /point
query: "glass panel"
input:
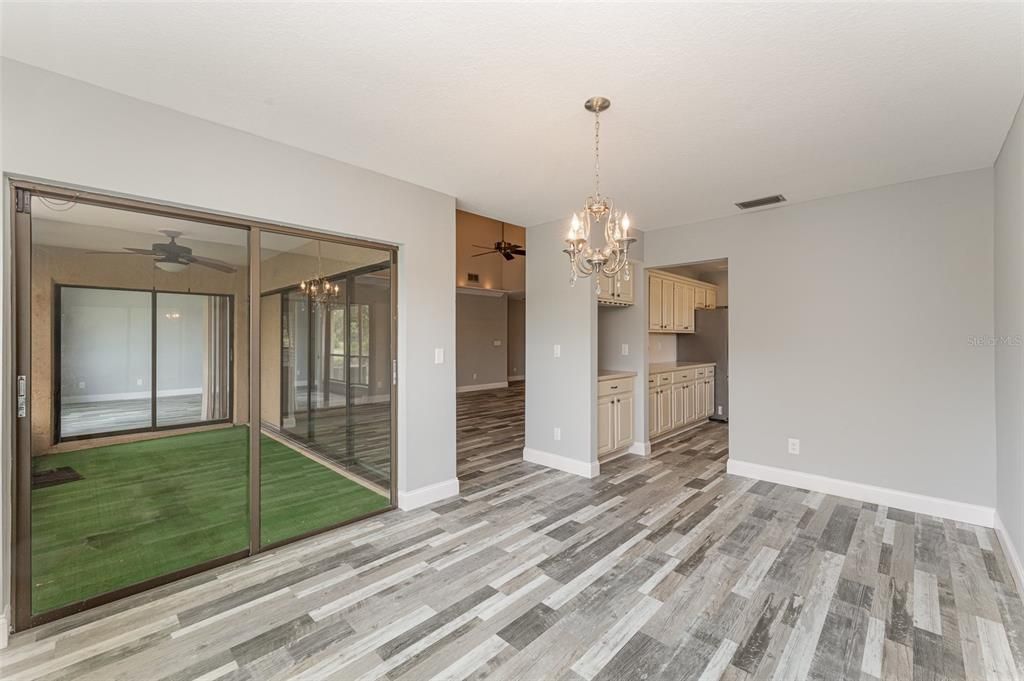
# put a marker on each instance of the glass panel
(193, 358)
(315, 447)
(115, 511)
(105, 354)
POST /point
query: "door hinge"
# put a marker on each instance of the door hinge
(22, 201)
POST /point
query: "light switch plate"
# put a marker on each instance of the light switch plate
(558, 434)
(625, 349)
(794, 445)
(558, 350)
(438, 355)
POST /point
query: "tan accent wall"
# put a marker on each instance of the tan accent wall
(495, 272)
(270, 359)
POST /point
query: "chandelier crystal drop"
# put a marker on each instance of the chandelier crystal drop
(598, 212)
(319, 289)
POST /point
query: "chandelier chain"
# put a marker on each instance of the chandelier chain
(597, 154)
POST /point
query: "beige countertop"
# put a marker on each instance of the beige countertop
(611, 374)
(661, 367)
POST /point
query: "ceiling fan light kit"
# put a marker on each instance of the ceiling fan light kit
(172, 256)
(598, 211)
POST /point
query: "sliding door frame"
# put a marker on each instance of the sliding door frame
(20, 301)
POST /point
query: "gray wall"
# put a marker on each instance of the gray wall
(852, 319)
(560, 392)
(60, 129)
(479, 321)
(516, 337)
(1009, 325)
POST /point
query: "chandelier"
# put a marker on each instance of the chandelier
(319, 289)
(598, 211)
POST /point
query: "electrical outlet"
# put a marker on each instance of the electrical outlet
(719, 410)
(794, 445)
(81, 385)
(558, 433)
(474, 377)
(138, 381)
(438, 355)
(558, 351)
(496, 342)
(625, 349)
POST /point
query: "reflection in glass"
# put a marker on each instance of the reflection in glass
(193, 358)
(326, 388)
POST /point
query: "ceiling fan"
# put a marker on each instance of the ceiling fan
(172, 256)
(507, 249)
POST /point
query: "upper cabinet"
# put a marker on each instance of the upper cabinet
(672, 300)
(617, 289)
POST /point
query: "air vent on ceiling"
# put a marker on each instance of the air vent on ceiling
(473, 277)
(764, 201)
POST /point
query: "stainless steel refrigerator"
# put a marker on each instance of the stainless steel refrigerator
(710, 343)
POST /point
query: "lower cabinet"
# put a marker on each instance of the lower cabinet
(614, 416)
(685, 399)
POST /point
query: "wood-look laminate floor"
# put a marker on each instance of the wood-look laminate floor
(658, 569)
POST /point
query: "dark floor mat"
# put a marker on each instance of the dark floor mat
(53, 477)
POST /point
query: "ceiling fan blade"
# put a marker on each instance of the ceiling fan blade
(519, 251)
(211, 263)
(507, 255)
(490, 248)
(141, 251)
(490, 252)
(112, 253)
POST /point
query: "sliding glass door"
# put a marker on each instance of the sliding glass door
(132, 361)
(191, 390)
(326, 377)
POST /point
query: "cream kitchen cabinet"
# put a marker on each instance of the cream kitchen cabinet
(680, 395)
(618, 288)
(615, 404)
(672, 300)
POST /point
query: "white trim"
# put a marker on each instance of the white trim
(640, 448)
(141, 395)
(423, 496)
(563, 463)
(1011, 552)
(481, 386)
(910, 501)
(512, 379)
(3, 630)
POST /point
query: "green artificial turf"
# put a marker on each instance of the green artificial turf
(146, 509)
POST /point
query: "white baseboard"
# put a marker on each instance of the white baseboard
(481, 386)
(512, 379)
(909, 501)
(563, 463)
(4, 627)
(423, 496)
(640, 448)
(1011, 552)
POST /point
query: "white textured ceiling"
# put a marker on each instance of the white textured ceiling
(712, 103)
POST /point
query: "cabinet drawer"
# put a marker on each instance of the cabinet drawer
(614, 386)
(682, 376)
(710, 371)
(663, 379)
(699, 372)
